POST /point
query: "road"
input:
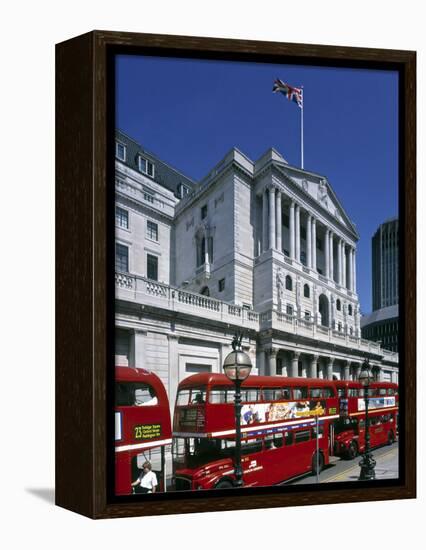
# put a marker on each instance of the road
(348, 470)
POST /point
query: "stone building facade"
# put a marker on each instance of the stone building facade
(262, 247)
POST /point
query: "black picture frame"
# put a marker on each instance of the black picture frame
(85, 284)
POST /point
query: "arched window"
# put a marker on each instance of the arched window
(288, 283)
(306, 291)
(350, 309)
(338, 305)
(205, 291)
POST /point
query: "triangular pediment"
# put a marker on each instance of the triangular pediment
(319, 189)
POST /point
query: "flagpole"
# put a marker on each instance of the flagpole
(301, 130)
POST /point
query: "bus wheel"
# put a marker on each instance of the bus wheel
(316, 468)
(391, 438)
(352, 450)
(224, 484)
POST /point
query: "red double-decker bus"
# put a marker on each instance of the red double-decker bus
(278, 429)
(382, 413)
(142, 426)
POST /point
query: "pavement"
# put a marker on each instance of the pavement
(348, 470)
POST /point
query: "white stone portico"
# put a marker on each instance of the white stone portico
(262, 247)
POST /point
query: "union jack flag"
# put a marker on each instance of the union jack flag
(290, 92)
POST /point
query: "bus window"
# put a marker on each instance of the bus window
(198, 396)
(382, 391)
(273, 441)
(183, 397)
(304, 435)
(300, 393)
(250, 394)
(341, 392)
(221, 395)
(128, 394)
(391, 391)
(288, 438)
(353, 392)
(249, 446)
(286, 393)
(327, 392)
(315, 393)
(272, 394)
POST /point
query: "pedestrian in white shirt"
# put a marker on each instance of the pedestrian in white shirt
(147, 480)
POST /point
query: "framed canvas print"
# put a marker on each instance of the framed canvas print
(235, 274)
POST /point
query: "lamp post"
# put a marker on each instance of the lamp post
(237, 367)
(367, 463)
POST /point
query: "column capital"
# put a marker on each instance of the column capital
(314, 357)
(271, 351)
(296, 354)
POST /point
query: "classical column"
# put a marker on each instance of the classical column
(295, 364)
(330, 368)
(272, 229)
(349, 273)
(346, 370)
(327, 253)
(291, 229)
(314, 367)
(264, 221)
(272, 362)
(331, 264)
(339, 261)
(314, 244)
(309, 241)
(344, 271)
(354, 271)
(279, 218)
(297, 232)
(357, 371)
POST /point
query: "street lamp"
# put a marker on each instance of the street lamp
(367, 463)
(237, 367)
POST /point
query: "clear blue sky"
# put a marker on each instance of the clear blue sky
(191, 112)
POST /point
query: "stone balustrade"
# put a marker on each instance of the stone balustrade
(152, 293)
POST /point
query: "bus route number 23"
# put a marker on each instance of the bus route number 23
(147, 431)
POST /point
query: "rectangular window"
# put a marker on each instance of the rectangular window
(221, 285)
(182, 190)
(288, 438)
(289, 309)
(272, 394)
(120, 151)
(315, 393)
(152, 230)
(300, 393)
(121, 257)
(146, 166)
(148, 195)
(307, 315)
(299, 437)
(251, 394)
(152, 267)
(203, 211)
(121, 218)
